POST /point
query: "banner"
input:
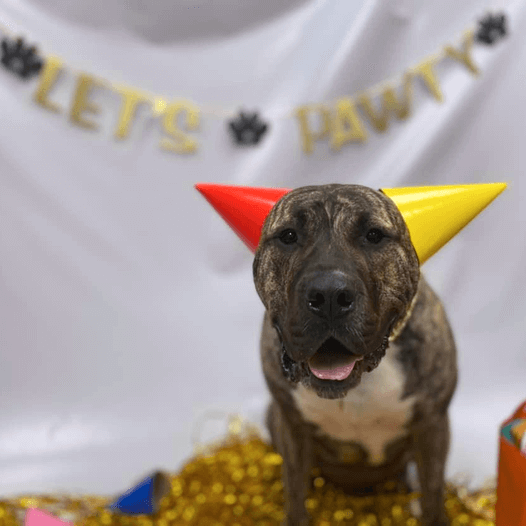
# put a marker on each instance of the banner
(347, 120)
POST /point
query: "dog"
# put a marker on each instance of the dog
(356, 348)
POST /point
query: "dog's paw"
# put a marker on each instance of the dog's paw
(439, 521)
(303, 520)
(416, 508)
(292, 522)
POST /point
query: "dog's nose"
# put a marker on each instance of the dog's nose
(329, 295)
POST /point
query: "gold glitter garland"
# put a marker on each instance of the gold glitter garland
(237, 482)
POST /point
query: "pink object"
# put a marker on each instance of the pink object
(337, 373)
(36, 517)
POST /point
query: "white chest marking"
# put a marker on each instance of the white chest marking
(371, 414)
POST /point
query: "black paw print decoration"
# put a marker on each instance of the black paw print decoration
(247, 129)
(20, 59)
(491, 28)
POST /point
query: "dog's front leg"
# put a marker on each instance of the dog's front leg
(431, 442)
(292, 441)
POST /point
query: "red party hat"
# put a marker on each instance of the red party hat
(244, 208)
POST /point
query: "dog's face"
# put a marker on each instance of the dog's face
(336, 270)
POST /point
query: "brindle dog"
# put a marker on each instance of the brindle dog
(356, 348)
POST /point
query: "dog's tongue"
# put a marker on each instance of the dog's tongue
(336, 373)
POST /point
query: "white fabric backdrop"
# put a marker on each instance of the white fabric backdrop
(127, 305)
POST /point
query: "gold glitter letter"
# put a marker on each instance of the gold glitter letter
(346, 126)
(81, 103)
(464, 55)
(390, 104)
(159, 106)
(426, 73)
(180, 143)
(48, 77)
(307, 135)
(131, 98)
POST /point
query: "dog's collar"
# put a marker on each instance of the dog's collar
(400, 326)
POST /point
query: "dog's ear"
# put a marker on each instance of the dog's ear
(255, 265)
(255, 271)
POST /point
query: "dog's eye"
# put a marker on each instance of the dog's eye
(374, 236)
(288, 236)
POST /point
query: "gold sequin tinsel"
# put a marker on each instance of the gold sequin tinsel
(236, 482)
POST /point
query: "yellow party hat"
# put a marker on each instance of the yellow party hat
(434, 214)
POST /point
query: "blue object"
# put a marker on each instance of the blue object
(506, 431)
(144, 497)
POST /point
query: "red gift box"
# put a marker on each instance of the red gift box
(510, 508)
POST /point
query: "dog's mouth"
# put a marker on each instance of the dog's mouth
(332, 361)
(333, 367)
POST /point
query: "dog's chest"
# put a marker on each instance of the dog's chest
(372, 414)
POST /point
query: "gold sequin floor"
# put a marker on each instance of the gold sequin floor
(237, 483)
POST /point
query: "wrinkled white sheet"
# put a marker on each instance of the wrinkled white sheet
(127, 307)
